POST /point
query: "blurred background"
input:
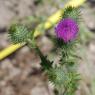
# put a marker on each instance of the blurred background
(20, 72)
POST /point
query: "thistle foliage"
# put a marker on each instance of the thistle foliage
(45, 63)
(64, 76)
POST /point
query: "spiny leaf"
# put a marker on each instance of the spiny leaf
(45, 63)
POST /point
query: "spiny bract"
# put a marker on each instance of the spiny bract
(18, 33)
(71, 12)
(63, 80)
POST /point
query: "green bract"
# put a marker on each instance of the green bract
(64, 80)
(18, 33)
(71, 12)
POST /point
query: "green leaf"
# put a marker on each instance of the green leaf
(45, 63)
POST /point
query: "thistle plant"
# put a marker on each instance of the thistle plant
(63, 75)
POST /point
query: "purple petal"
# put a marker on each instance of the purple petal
(67, 29)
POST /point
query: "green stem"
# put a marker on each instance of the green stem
(45, 63)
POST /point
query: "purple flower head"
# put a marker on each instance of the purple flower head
(67, 29)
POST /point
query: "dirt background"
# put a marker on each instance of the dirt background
(20, 73)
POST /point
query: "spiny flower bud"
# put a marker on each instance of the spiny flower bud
(64, 80)
(71, 12)
(67, 29)
(18, 33)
